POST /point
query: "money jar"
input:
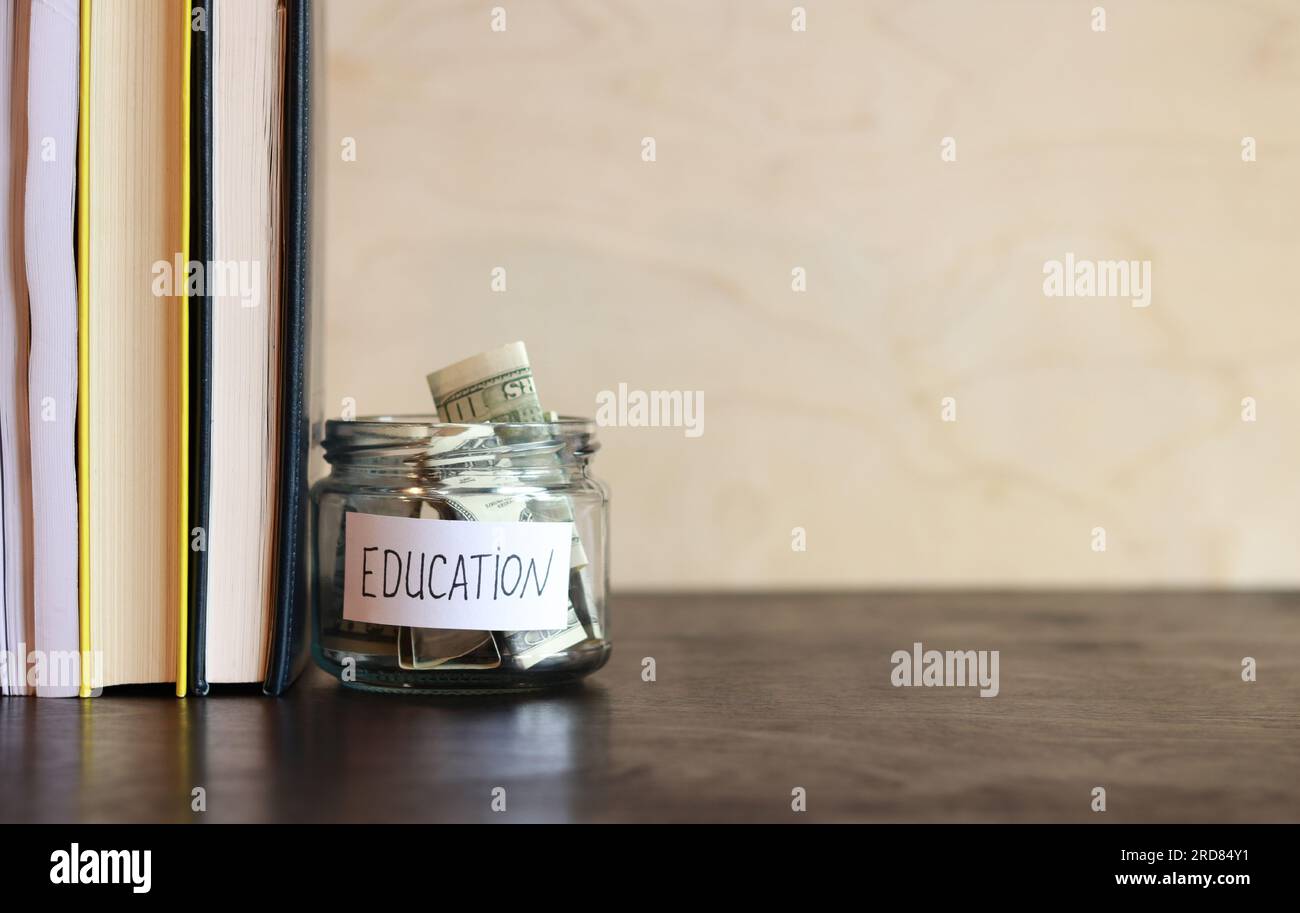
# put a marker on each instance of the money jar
(459, 557)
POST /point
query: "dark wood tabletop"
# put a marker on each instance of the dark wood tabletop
(755, 696)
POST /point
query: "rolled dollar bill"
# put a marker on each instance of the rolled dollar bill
(528, 648)
(493, 386)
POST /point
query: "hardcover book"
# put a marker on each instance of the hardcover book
(155, 373)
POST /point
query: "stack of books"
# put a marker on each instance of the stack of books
(154, 342)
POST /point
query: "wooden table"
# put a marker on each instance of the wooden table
(1140, 693)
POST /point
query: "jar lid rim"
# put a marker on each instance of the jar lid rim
(416, 420)
(424, 438)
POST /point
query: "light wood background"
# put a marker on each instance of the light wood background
(776, 149)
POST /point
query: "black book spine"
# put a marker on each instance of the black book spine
(289, 631)
(200, 341)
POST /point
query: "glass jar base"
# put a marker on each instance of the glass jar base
(575, 665)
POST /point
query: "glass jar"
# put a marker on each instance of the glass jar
(434, 544)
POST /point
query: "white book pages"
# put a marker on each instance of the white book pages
(244, 283)
(15, 453)
(50, 206)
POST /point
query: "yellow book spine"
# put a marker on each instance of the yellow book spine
(183, 596)
(83, 354)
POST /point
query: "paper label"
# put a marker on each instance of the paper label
(460, 574)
